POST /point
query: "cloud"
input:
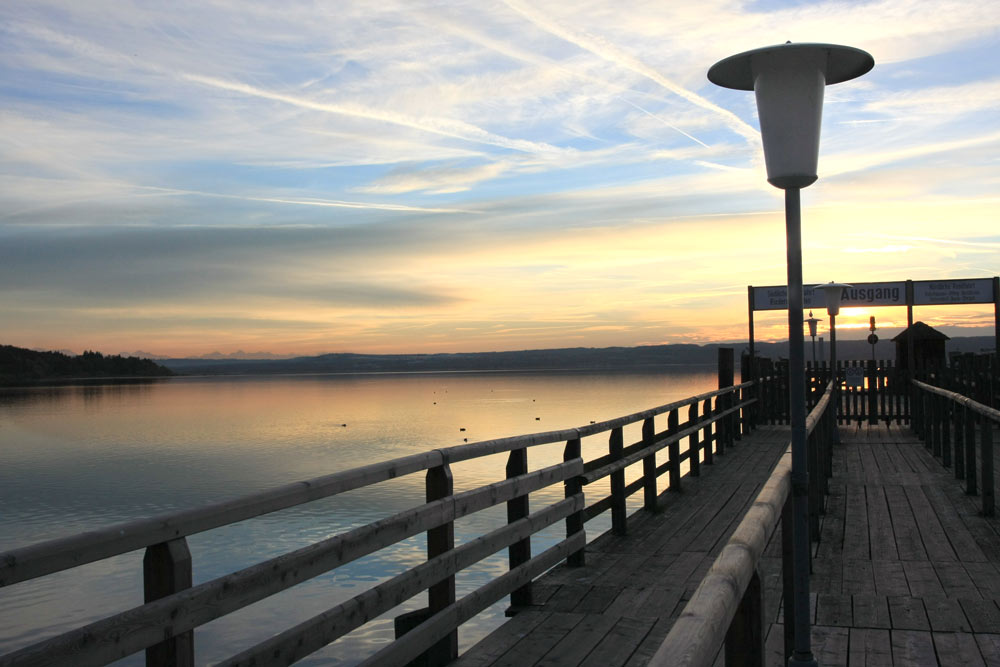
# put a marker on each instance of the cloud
(435, 180)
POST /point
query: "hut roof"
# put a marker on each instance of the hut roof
(920, 331)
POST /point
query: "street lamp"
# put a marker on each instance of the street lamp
(832, 295)
(811, 321)
(788, 81)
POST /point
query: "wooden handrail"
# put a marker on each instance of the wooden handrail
(594, 475)
(696, 636)
(984, 410)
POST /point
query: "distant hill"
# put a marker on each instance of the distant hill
(646, 357)
(19, 366)
(580, 358)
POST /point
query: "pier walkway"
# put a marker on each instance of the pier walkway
(906, 570)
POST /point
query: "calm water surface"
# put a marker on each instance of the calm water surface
(77, 458)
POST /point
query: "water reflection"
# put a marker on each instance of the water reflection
(77, 458)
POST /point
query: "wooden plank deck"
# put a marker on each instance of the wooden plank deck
(616, 610)
(906, 571)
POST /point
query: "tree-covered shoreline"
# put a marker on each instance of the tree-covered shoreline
(20, 366)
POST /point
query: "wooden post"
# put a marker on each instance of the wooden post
(958, 428)
(573, 486)
(815, 490)
(166, 569)
(872, 393)
(519, 552)
(934, 415)
(726, 376)
(944, 418)
(649, 466)
(619, 516)
(986, 452)
(706, 433)
(675, 453)
(740, 417)
(788, 575)
(745, 637)
(970, 452)
(440, 484)
(694, 454)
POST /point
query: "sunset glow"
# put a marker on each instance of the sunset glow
(296, 178)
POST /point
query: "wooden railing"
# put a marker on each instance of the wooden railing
(951, 425)
(727, 607)
(163, 626)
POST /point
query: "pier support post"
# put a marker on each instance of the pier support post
(986, 445)
(619, 513)
(573, 486)
(519, 552)
(727, 372)
(649, 466)
(970, 452)
(166, 569)
(745, 637)
(706, 433)
(675, 452)
(694, 459)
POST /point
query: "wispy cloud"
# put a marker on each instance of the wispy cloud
(602, 48)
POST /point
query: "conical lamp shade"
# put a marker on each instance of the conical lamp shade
(788, 81)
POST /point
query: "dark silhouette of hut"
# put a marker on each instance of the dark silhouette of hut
(928, 346)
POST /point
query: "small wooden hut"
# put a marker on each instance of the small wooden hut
(928, 346)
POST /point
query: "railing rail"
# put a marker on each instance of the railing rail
(163, 625)
(949, 424)
(726, 608)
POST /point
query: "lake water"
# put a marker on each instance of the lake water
(77, 458)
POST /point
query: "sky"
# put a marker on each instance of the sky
(399, 177)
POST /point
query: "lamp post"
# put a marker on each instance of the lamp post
(788, 82)
(811, 321)
(832, 295)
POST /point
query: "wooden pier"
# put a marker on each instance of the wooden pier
(905, 546)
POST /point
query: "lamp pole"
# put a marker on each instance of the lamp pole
(811, 321)
(788, 82)
(833, 293)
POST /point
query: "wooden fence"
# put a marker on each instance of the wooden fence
(870, 391)
(696, 429)
(727, 608)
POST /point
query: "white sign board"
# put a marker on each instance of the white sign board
(854, 376)
(936, 292)
(858, 294)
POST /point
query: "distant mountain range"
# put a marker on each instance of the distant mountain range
(646, 357)
(21, 366)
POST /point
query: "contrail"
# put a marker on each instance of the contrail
(672, 127)
(613, 54)
(309, 202)
(442, 126)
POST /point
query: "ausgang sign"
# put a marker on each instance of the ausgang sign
(859, 294)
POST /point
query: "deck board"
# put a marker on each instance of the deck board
(906, 572)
